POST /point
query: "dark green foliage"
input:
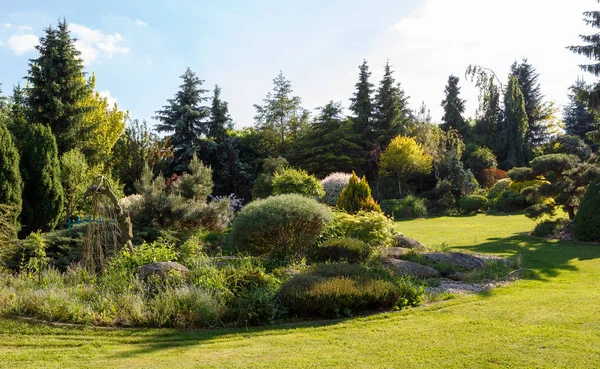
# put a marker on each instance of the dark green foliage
(489, 115)
(263, 185)
(576, 116)
(590, 50)
(334, 290)
(284, 226)
(43, 196)
(510, 202)
(565, 144)
(480, 159)
(391, 112)
(57, 88)
(406, 208)
(514, 128)
(356, 196)
(587, 220)
(299, 182)
(330, 145)
(473, 203)
(351, 250)
(281, 118)
(11, 184)
(373, 228)
(549, 228)
(185, 119)
(462, 180)
(220, 121)
(454, 107)
(537, 113)
(361, 104)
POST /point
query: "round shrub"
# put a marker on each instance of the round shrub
(587, 219)
(333, 290)
(348, 249)
(473, 203)
(373, 228)
(490, 176)
(283, 225)
(499, 188)
(406, 208)
(549, 227)
(297, 181)
(333, 185)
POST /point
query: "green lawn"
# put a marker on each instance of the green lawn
(550, 319)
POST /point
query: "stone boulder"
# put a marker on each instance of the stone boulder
(456, 259)
(162, 269)
(404, 268)
(407, 242)
(396, 252)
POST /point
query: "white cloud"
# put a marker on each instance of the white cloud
(95, 43)
(140, 23)
(106, 94)
(443, 37)
(25, 29)
(20, 44)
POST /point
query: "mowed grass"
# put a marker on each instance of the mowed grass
(550, 319)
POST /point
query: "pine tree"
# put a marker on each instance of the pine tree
(185, 119)
(220, 121)
(454, 107)
(391, 116)
(537, 111)
(331, 145)
(361, 104)
(513, 132)
(578, 120)
(57, 88)
(281, 118)
(43, 197)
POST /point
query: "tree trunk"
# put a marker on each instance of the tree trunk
(571, 212)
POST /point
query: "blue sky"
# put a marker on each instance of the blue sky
(137, 49)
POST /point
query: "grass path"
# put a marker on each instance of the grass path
(551, 319)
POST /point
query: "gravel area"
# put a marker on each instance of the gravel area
(461, 288)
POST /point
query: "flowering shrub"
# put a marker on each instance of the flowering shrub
(333, 185)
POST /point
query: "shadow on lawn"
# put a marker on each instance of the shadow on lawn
(542, 258)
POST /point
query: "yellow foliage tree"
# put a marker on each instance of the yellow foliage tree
(404, 158)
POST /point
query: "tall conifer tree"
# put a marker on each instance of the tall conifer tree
(220, 121)
(361, 103)
(577, 118)
(513, 134)
(454, 107)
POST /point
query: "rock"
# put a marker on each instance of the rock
(456, 276)
(397, 252)
(456, 259)
(161, 269)
(407, 242)
(403, 268)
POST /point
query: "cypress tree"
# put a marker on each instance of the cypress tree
(43, 196)
(361, 104)
(58, 88)
(513, 133)
(454, 107)
(11, 185)
(577, 118)
(391, 106)
(185, 119)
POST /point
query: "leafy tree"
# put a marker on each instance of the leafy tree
(185, 119)
(43, 196)
(561, 177)
(404, 158)
(57, 89)
(220, 121)
(577, 118)
(330, 144)
(514, 129)
(356, 196)
(263, 185)
(391, 115)
(361, 103)
(11, 184)
(281, 117)
(442, 146)
(297, 181)
(537, 111)
(136, 148)
(75, 179)
(454, 107)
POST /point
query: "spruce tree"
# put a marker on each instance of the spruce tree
(577, 118)
(186, 119)
(330, 146)
(361, 103)
(43, 197)
(57, 88)
(513, 134)
(220, 121)
(537, 112)
(391, 116)
(454, 107)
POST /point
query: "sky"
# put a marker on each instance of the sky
(138, 49)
